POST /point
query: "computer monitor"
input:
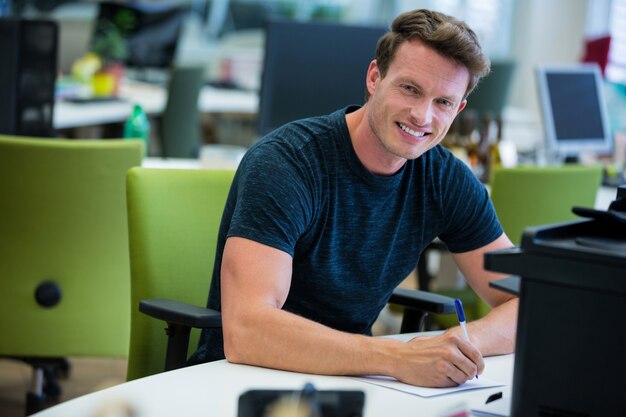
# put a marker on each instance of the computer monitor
(574, 110)
(149, 31)
(311, 69)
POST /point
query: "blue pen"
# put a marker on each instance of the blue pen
(460, 313)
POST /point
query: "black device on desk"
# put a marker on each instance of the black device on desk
(27, 76)
(323, 403)
(571, 346)
(94, 99)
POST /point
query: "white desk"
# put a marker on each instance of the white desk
(172, 163)
(605, 196)
(213, 156)
(153, 99)
(213, 389)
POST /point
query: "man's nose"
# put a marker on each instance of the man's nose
(422, 113)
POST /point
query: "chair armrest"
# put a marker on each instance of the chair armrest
(417, 305)
(180, 318)
(182, 314)
(422, 300)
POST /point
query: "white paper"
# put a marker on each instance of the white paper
(393, 383)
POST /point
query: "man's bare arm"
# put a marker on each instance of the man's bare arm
(494, 334)
(255, 282)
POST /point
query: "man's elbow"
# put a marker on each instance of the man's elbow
(236, 343)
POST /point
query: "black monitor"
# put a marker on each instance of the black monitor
(148, 32)
(312, 69)
(574, 110)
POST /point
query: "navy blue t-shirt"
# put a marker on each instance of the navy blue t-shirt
(354, 236)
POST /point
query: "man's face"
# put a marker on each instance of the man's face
(411, 109)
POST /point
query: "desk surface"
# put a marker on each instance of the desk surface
(153, 99)
(214, 388)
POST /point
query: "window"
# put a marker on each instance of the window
(490, 19)
(616, 68)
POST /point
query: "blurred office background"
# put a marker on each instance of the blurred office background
(227, 39)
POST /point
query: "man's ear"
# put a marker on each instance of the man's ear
(462, 106)
(373, 76)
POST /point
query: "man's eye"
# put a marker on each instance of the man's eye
(408, 88)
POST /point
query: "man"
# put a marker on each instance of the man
(326, 216)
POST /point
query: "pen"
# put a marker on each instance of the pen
(460, 313)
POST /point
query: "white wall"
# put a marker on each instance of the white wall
(544, 32)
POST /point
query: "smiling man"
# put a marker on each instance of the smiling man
(326, 216)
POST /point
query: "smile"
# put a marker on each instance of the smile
(411, 131)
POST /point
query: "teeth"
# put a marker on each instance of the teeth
(410, 131)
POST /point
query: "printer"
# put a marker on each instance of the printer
(570, 358)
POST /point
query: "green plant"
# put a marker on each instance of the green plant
(109, 43)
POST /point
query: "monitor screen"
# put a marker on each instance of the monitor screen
(148, 33)
(311, 69)
(574, 111)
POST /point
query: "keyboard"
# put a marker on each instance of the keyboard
(86, 100)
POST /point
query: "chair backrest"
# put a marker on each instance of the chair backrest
(179, 132)
(533, 196)
(174, 218)
(492, 92)
(63, 219)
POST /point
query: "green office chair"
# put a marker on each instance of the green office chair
(64, 264)
(174, 217)
(532, 196)
(179, 128)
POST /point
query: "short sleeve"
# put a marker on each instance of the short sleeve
(470, 218)
(273, 204)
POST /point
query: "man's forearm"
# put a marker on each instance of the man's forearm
(494, 334)
(279, 339)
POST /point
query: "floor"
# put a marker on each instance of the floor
(87, 375)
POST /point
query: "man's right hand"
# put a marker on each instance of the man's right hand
(446, 360)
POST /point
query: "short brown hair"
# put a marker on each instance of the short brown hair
(449, 36)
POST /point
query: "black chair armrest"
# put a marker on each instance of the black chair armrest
(180, 313)
(417, 305)
(180, 318)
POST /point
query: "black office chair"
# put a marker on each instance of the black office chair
(179, 128)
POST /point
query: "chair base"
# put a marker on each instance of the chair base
(45, 388)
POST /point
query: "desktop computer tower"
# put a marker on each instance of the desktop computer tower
(28, 49)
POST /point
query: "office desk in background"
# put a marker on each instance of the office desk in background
(152, 98)
(213, 389)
